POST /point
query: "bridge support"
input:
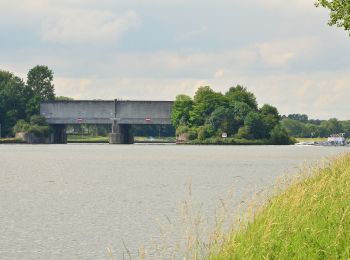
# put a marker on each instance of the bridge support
(121, 134)
(59, 134)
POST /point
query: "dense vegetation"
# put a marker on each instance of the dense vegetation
(299, 125)
(236, 113)
(20, 100)
(310, 220)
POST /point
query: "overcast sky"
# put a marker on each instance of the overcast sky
(283, 51)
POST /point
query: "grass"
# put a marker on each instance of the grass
(300, 140)
(11, 141)
(230, 141)
(86, 139)
(309, 220)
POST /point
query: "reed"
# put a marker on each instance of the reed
(308, 219)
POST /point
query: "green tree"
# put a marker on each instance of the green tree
(332, 126)
(270, 116)
(255, 126)
(13, 98)
(241, 94)
(206, 101)
(279, 135)
(181, 110)
(339, 12)
(40, 83)
(63, 98)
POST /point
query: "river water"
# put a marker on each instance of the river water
(100, 201)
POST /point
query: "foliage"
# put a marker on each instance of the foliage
(19, 101)
(63, 98)
(315, 128)
(279, 135)
(255, 126)
(181, 110)
(309, 220)
(211, 113)
(13, 99)
(40, 83)
(241, 94)
(339, 12)
(37, 126)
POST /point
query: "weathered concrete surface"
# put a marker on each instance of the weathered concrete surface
(104, 112)
(77, 112)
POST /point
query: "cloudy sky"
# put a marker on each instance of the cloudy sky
(281, 50)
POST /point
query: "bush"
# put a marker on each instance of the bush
(38, 120)
(36, 126)
(279, 135)
(205, 132)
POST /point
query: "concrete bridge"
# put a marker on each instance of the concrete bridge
(121, 114)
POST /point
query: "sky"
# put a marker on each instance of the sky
(283, 51)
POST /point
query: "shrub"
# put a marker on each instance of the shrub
(279, 135)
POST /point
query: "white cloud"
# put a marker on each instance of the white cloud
(86, 26)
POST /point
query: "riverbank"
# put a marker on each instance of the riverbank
(231, 141)
(11, 141)
(310, 220)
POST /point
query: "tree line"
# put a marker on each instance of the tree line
(299, 125)
(236, 114)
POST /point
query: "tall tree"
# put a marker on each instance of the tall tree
(181, 110)
(241, 94)
(40, 83)
(13, 98)
(206, 101)
(339, 12)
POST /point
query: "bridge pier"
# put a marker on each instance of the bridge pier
(59, 134)
(121, 134)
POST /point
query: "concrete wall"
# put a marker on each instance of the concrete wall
(73, 112)
(144, 112)
(102, 112)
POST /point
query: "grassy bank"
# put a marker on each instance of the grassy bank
(86, 139)
(310, 220)
(230, 141)
(11, 141)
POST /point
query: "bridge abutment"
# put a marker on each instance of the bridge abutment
(121, 134)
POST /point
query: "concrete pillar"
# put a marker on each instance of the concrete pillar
(121, 134)
(59, 134)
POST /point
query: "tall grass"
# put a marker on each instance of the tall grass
(308, 220)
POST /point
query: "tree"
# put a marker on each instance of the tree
(270, 116)
(279, 135)
(206, 101)
(339, 12)
(40, 83)
(63, 98)
(241, 94)
(181, 110)
(13, 98)
(255, 126)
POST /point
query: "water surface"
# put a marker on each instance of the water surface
(74, 201)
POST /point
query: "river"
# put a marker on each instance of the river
(83, 201)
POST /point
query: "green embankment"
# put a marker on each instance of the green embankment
(11, 141)
(310, 220)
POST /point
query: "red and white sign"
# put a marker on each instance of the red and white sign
(148, 119)
(79, 120)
